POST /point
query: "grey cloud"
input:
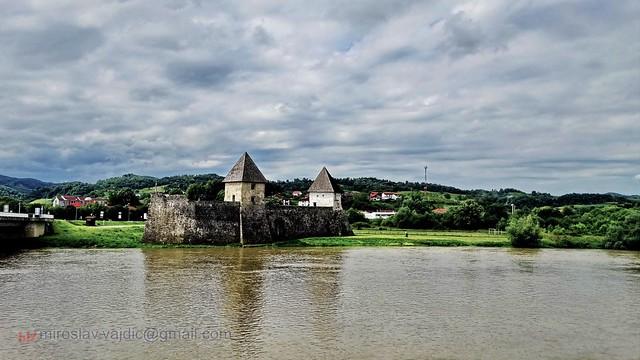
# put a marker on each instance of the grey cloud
(149, 94)
(57, 43)
(261, 36)
(201, 74)
(567, 19)
(464, 36)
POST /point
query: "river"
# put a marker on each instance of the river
(320, 303)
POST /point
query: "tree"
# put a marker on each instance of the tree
(123, 197)
(524, 232)
(416, 202)
(625, 235)
(355, 216)
(204, 192)
(195, 191)
(468, 215)
(356, 200)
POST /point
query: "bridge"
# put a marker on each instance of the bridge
(24, 226)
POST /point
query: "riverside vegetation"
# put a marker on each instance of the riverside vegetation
(572, 220)
(74, 234)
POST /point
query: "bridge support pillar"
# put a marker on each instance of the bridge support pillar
(34, 230)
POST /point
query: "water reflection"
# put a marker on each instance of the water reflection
(242, 277)
(525, 259)
(251, 293)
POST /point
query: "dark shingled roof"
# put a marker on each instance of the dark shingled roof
(245, 170)
(325, 183)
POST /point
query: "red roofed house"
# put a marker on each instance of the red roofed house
(76, 201)
(374, 196)
(68, 200)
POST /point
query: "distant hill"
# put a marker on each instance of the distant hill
(171, 184)
(16, 187)
(31, 189)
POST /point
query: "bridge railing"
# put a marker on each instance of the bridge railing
(25, 216)
(14, 215)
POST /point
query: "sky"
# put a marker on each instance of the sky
(537, 95)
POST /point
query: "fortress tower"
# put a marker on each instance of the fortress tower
(245, 183)
(325, 191)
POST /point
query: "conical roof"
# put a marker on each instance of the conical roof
(245, 170)
(325, 183)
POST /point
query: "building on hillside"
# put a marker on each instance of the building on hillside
(68, 200)
(77, 201)
(375, 196)
(97, 200)
(296, 193)
(244, 183)
(389, 196)
(325, 191)
(439, 211)
(381, 214)
(304, 201)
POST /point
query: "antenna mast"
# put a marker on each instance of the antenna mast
(425, 177)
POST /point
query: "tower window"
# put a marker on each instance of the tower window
(253, 186)
(253, 200)
(233, 198)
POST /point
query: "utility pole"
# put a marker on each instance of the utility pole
(425, 178)
(241, 233)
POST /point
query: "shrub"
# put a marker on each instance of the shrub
(625, 235)
(360, 225)
(524, 232)
(355, 216)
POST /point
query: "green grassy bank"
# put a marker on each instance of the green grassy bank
(408, 238)
(129, 234)
(105, 235)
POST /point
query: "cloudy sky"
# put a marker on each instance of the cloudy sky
(539, 95)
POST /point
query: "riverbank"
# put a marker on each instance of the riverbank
(109, 234)
(129, 235)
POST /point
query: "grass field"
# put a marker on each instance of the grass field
(410, 238)
(115, 234)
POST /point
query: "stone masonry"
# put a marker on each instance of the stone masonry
(175, 220)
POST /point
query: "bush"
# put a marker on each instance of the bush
(524, 232)
(624, 236)
(360, 225)
(355, 216)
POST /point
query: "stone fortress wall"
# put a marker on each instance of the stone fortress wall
(173, 219)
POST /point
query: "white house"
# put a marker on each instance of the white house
(325, 191)
(389, 196)
(382, 214)
(304, 202)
